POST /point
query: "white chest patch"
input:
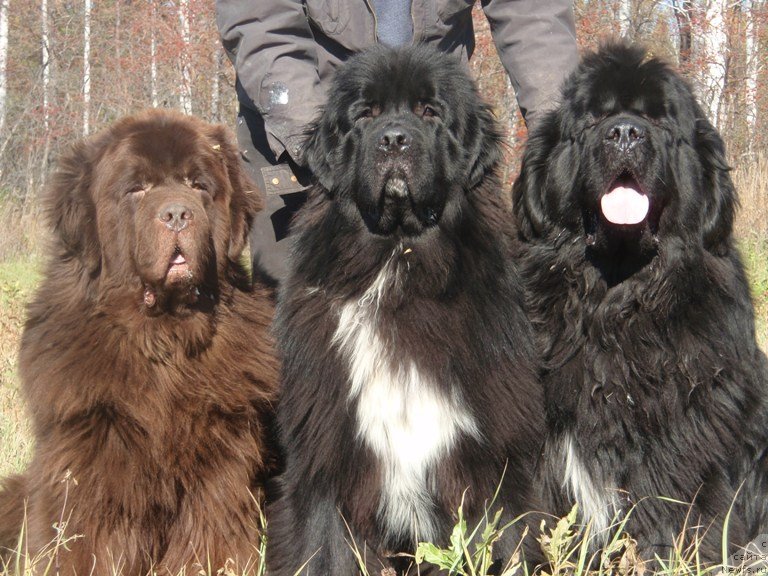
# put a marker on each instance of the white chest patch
(597, 504)
(403, 416)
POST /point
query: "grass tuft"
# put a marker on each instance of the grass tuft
(18, 278)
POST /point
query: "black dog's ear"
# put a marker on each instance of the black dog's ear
(529, 187)
(720, 201)
(69, 206)
(484, 145)
(244, 201)
(322, 140)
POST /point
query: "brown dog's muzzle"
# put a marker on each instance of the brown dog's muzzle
(172, 238)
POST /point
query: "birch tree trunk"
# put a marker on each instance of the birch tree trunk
(625, 19)
(683, 12)
(714, 44)
(752, 43)
(153, 53)
(216, 84)
(4, 5)
(119, 44)
(87, 68)
(45, 64)
(185, 96)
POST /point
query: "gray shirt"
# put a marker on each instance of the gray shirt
(394, 26)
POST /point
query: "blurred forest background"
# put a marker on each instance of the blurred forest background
(67, 67)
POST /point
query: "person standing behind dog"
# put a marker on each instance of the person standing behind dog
(284, 53)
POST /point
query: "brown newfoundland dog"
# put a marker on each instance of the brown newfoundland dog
(146, 361)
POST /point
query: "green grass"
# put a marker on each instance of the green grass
(18, 279)
(754, 251)
(566, 544)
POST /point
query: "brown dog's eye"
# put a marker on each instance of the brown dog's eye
(137, 190)
(198, 184)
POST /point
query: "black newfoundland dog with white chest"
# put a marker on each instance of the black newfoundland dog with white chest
(654, 386)
(409, 375)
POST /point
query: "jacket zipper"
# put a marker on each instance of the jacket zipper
(375, 21)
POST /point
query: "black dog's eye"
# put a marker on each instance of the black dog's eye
(430, 215)
(425, 110)
(369, 112)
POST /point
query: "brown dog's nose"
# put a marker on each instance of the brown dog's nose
(176, 217)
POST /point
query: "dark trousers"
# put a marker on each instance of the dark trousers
(282, 186)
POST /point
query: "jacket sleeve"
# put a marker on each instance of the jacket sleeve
(272, 49)
(536, 42)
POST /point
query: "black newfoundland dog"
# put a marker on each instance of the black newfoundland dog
(654, 385)
(408, 375)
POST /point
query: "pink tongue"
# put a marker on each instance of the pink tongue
(624, 206)
(179, 259)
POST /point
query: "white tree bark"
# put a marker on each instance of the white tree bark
(185, 96)
(87, 68)
(752, 66)
(625, 19)
(45, 64)
(215, 84)
(153, 53)
(4, 5)
(714, 46)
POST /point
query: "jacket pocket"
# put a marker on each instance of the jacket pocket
(448, 8)
(327, 15)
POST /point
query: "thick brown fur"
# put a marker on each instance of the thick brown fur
(146, 360)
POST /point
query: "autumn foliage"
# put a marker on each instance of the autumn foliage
(138, 52)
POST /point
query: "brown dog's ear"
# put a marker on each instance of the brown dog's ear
(245, 200)
(69, 206)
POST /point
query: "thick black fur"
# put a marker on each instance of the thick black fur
(406, 155)
(647, 331)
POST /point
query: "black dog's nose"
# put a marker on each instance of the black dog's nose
(394, 139)
(176, 217)
(624, 135)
